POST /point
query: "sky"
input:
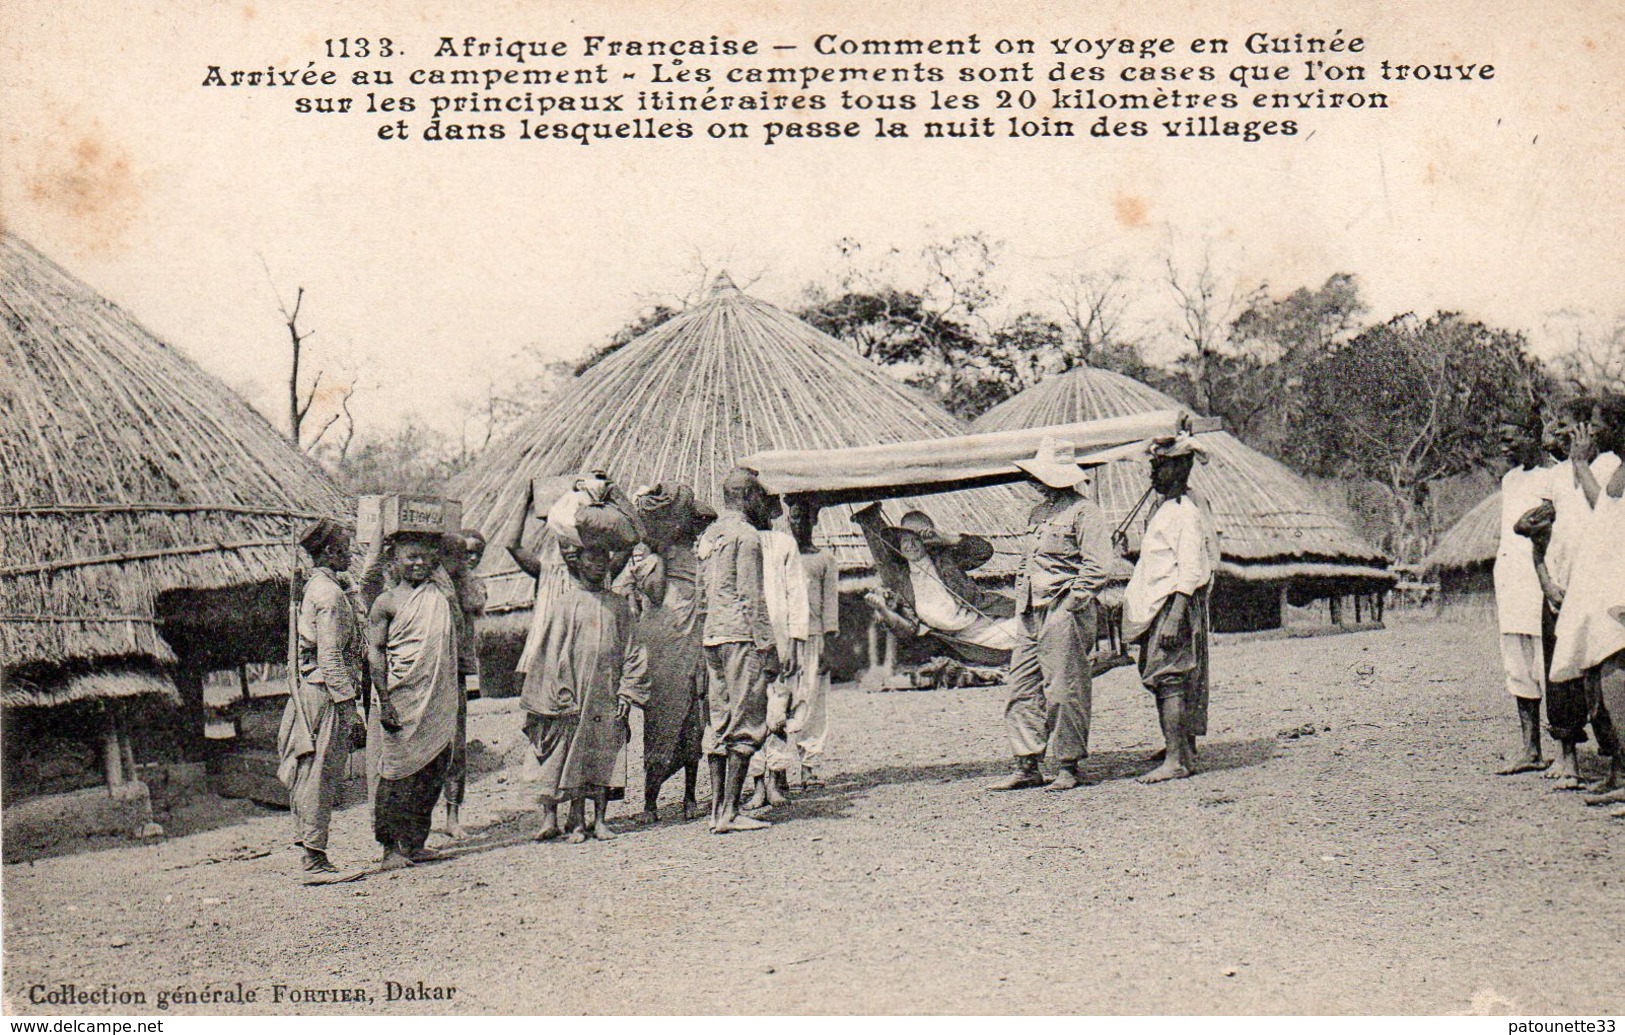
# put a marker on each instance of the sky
(426, 267)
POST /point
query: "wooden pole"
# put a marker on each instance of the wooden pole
(112, 756)
(242, 679)
(126, 750)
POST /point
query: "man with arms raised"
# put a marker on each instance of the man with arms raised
(1591, 626)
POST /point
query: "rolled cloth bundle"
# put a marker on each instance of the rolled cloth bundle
(668, 512)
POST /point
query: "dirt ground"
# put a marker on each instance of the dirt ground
(1368, 864)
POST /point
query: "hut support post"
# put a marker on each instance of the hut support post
(112, 748)
(873, 658)
(242, 679)
(189, 680)
(891, 652)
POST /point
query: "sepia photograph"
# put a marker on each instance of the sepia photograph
(788, 510)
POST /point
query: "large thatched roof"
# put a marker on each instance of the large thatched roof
(725, 379)
(125, 472)
(1272, 524)
(1473, 540)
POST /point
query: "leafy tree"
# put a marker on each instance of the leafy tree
(1270, 345)
(1407, 403)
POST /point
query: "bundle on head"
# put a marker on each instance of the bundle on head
(606, 528)
(667, 511)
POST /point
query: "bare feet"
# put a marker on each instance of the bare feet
(1564, 783)
(576, 837)
(1066, 778)
(1165, 772)
(646, 817)
(1025, 775)
(1602, 794)
(549, 832)
(454, 825)
(318, 862)
(759, 800)
(775, 784)
(600, 831)
(424, 855)
(692, 810)
(393, 860)
(739, 824)
(1618, 813)
(1567, 767)
(1526, 764)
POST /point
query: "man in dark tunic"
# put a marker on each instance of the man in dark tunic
(315, 737)
(740, 650)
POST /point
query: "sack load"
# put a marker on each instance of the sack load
(595, 515)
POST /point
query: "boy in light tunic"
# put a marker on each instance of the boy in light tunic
(1518, 596)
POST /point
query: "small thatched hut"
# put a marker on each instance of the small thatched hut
(148, 514)
(1279, 541)
(1463, 560)
(727, 378)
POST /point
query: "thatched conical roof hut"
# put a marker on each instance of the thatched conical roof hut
(1274, 530)
(727, 378)
(147, 512)
(1463, 560)
(1472, 541)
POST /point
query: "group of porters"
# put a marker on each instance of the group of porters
(713, 623)
(1560, 588)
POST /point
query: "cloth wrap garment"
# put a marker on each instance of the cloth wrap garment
(670, 631)
(425, 690)
(1518, 596)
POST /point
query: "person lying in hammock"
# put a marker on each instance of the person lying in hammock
(926, 589)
